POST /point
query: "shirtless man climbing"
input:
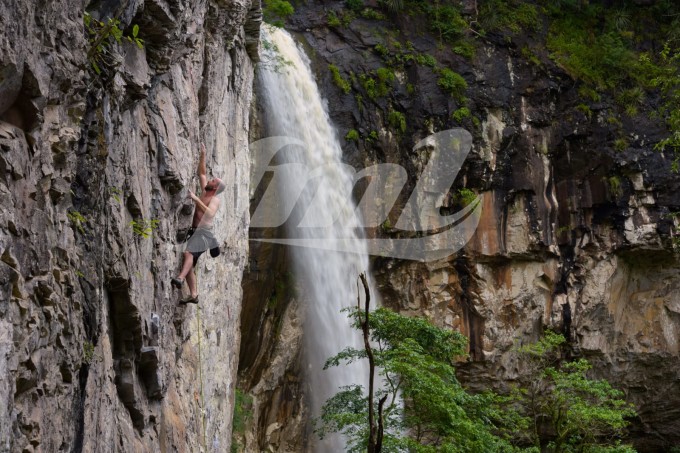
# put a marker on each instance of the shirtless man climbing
(200, 237)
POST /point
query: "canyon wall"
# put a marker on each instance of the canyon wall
(576, 232)
(95, 168)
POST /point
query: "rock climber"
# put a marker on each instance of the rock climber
(200, 236)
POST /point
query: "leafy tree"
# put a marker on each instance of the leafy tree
(564, 410)
(421, 406)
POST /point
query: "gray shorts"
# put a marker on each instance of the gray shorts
(199, 240)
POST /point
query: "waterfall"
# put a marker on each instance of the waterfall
(293, 107)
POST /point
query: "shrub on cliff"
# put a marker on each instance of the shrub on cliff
(277, 11)
(563, 409)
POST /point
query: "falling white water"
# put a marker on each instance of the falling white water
(293, 107)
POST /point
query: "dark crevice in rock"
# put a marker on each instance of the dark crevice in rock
(79, 410)
(126, 341)
(473, 322)
(25, 111)
(158, 28)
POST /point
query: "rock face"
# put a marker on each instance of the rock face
(95, 353)
(574, 235)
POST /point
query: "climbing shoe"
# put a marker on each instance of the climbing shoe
(189, 300)
(177, 282)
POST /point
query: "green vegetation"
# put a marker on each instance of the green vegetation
(243, 413)
(427, 60)
(332, 19)
(397, 121)
(339, 81)
(513, 16)
(415, 359)
(369, 13)
(605, 48)
(453, 83)
(667, 80)
(345, 18)
(276, 11)
(614, 184)
(600, 59)
(556, 396)
(555, 407)
(562, 230)
(589, 93)
(352, 135)
(446, 21)
(77, 220)
(382, 50)
(369, 85)
(620, 144)
(354, 5)
(88, 352)
(460, 114)
(465, 196)
(599, 46)
(144, 228)
(531, 56)
(377, 83)
(385, 76)
(101, 35)
(115, 193)
(372, 137)
(634, 96)
(583, 108)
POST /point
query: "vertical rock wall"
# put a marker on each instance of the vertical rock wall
(95, 354)
(575, 234)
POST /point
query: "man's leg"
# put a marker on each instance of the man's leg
(191, 277)
(186, 267)
(191, 281)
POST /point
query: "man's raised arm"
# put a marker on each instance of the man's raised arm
(201, 168)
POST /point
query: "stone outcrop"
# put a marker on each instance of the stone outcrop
(95, 353)
(574, 234)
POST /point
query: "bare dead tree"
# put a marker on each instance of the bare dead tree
(375, 436)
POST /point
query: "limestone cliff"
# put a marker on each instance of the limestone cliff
(95, 353)
(575, 233)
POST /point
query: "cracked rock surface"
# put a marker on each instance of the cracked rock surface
(95, 353)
